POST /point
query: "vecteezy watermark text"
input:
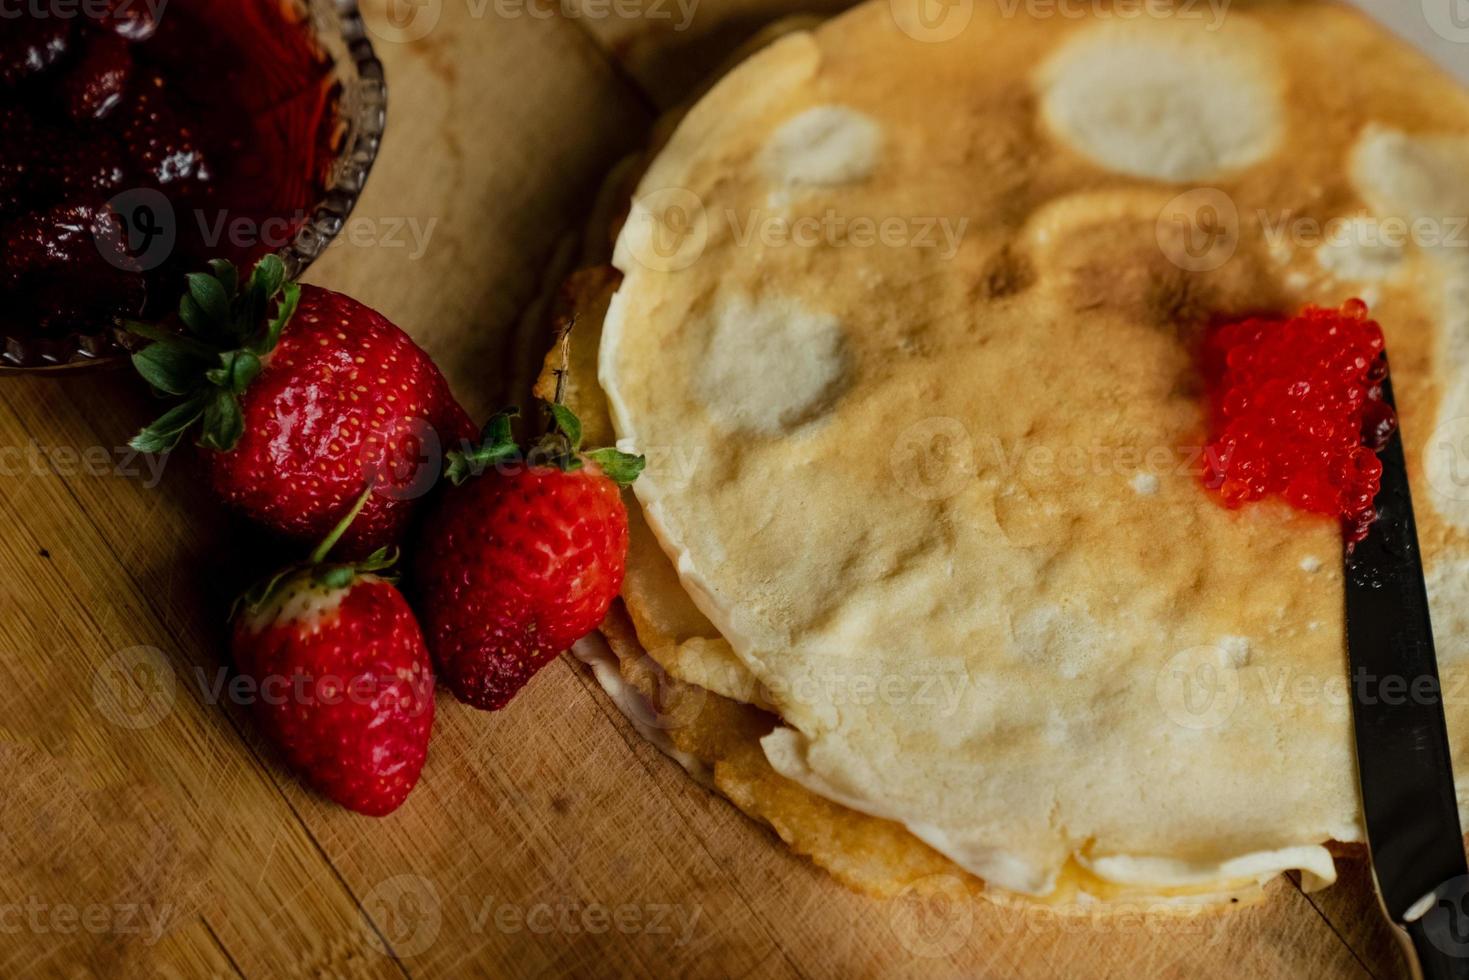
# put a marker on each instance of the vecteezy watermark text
(151, 227)
(152, 10)
(406, 21)
(34, 459)
(1211, 11)
(404, 915)
(835, 230)
(39, 917)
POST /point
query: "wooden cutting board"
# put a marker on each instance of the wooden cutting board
(145, 829)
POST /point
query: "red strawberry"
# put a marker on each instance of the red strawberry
(17, 167)
(59, 305)
(69, 234)
(94, 86)
(132, 20)
(300, 413)
(30, 45)
(343, 683)
(157, 139)
(42, 164)
(520, 562)
(91, 165)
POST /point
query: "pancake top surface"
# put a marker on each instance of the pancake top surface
(908, 334)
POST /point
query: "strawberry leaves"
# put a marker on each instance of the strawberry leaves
(224, 422)
(168, 428)
(567, 423)
(563, 447)
(497, 446)
(560, 447)
(228, 332)
(169, 368)
(621, 468)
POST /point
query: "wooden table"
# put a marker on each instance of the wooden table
(145, 829)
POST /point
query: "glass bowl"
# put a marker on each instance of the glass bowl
(361, 114)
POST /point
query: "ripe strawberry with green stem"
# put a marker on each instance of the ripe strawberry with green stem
(522, 557)
(343, 682)
(304, 397)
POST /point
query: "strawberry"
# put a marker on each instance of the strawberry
(44, 163)
(344, 686)
(77, 166)
(159, 143)
(302, 406)
(30, 45)
(131, 20)
(94, 85)
(74, 233)
(17, 167)
(520, 561)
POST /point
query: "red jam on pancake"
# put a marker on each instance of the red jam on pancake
(1297, 412)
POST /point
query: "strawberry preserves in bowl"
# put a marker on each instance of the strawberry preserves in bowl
(139, 139)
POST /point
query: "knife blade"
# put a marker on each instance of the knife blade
(1404, 772)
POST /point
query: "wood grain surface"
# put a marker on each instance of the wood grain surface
(146, 830)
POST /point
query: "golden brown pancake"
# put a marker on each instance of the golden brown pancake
(923, 573)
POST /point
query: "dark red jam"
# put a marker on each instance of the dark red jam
(1297, 412)
(139, 138)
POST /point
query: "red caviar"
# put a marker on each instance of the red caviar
(1297, 412)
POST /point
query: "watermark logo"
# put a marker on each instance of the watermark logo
(1449, 19)
(1446, 921)
(670, 705)
(135, 20)
(145, 921)
(140, 230)
(1199, 230)
(1199, 688)
(50, 461)
(572, 917)
(402, 915)
(1365, 232)
(834, 230)
(149, 231)
(303, 690)
(668, 229)
(402, 21)
(1210, 11)
(411, 469)
(134, 688)
(1446, 459)
(932, 21)
(932, 917)
(933, 459)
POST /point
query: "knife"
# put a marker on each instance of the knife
(1403, 768)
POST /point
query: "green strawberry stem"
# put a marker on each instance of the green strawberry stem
(560, 448)
(330, 541)
(332, 576)
(228, 332)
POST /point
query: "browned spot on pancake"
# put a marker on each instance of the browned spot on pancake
(994, 137)
(1121, 268)
(1005, 274)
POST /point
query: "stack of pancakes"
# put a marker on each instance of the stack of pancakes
(905, 314)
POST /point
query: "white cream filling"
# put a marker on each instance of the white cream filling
(1313, 861)
(593, 651)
